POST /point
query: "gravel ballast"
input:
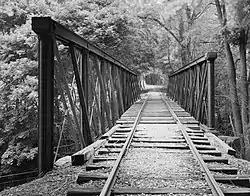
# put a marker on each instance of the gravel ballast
(141, 167)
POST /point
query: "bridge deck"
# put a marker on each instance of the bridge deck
(158, 161)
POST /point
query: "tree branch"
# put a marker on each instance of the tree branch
(164, 26)
(224, 12)
(220, 14)
(247, 33)
(196, 16)
(206, 42)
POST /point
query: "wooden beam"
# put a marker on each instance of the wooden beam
(82, 156)
(236, 191)
(215, 159)
(131, 190)
(238, 180)
(86, 177)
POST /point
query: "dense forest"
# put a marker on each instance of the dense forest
(152, 36)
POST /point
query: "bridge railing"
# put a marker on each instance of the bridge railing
(82, 90)
(192, 87)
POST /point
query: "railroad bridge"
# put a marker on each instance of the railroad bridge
(128, 142)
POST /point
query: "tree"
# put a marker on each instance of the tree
(241, 30)
(235, 31)
(178, 23)
(104, 23)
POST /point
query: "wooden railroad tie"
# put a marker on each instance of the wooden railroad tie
(131, 190)
(238, 180)
(215, 159)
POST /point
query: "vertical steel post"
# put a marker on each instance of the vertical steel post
(48, 30)
(114, 105)
(210, 57)
(85, 75)
(44, 27)
(84, 108)
(119, 93)
(84, 68)
(46, 88)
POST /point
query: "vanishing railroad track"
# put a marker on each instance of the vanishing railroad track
(158, 148)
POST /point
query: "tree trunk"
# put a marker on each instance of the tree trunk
(244, 92)
(243, 79)
(222, 16)
(233, 95)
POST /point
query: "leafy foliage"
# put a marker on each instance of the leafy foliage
(104, 23)
(155, 37)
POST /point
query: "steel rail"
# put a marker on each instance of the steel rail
(106, 191)
(209, 177)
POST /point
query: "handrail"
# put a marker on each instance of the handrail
(192, 86)
(46, 25)
(207, 56)
(71, 85)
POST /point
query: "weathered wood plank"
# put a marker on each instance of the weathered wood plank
(225, 148)
(86, 177)
(107, 151)
(131, 190)
(103, 158)
(82, 156)
(205, 147)
(226, 170)
(238, 180)
(210, 152)
(215, 159)
(236, 191)
(201, 142)
(91, 167)
(135, 145)
(159, 141)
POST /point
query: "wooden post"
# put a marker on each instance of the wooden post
(210, 57)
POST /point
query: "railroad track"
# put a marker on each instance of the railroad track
(158, 148)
